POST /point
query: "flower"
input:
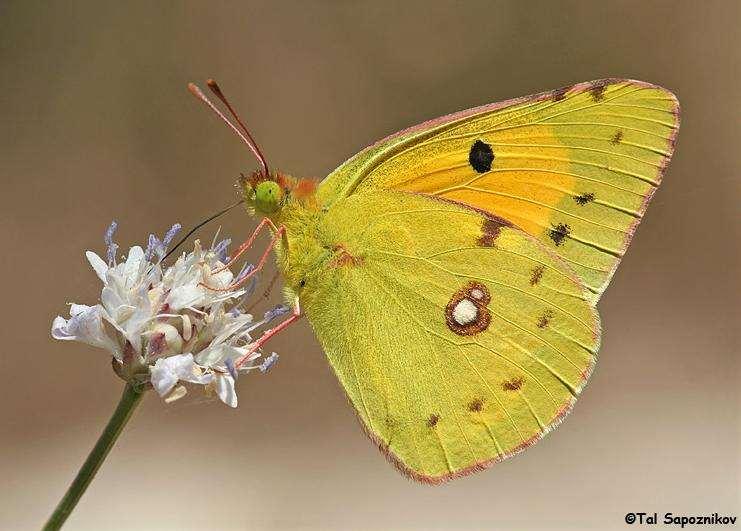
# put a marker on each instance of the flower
(171, 324)
(167, 372)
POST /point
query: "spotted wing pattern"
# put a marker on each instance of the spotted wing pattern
(574, 167)
(459, 339)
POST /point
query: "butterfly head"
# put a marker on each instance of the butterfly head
(266, 195)
(265, 192)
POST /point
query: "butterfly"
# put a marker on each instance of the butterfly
(451, 271)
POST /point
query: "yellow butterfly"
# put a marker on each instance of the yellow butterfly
(451, 270)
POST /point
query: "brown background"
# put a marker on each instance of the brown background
(97, 125)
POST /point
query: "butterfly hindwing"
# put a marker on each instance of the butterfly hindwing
(574, 167)
(458, 338)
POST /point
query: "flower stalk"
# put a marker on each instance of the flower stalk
(129, 400)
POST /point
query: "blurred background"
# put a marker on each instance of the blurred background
(97, 125)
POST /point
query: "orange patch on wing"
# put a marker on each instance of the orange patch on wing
(344, 258)
(523, 185)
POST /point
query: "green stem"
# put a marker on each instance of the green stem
(129, 400)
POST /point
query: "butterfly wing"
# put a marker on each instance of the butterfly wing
(574, 167)
(459, 339)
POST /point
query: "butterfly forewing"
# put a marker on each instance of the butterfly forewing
(574, 167)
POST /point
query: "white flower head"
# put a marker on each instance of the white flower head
(171, 324)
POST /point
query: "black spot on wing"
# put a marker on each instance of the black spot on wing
(481, 156)
(617, 138)
(559, 233)
(584, 198)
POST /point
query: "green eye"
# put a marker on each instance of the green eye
(268, 195)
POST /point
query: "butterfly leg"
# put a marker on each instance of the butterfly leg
(247, 244)
(295, 315)
(279, 232)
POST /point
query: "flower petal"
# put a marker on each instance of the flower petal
(114, 304)
(98, 265)
(214, 355)
(179, 392)
(60, 329)
(162, 379)
(86, 326)
(143, 302)
(76, 309)
(184, 296)
(133, 263)
(167, 371)
(224, 384)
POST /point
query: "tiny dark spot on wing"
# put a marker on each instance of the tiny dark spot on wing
(513, 385)
(545, 319)
(559, 94)
(481, 156)
(559, 233)
(433, 420)
(490, 232)
(536, 275)
(617, 138)
(476, 405)
(598, 90)
(584, 198)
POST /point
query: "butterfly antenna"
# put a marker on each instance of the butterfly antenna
(198, 93)
(201, 224)
(214, 87)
